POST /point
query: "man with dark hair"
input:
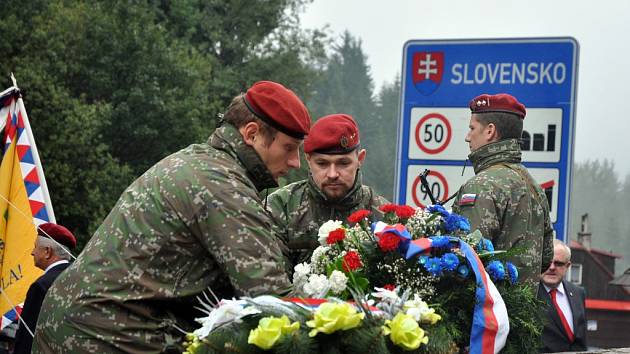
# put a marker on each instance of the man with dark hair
(193, 221)
(503, 201)
(333, 190)
(51, 253)
(565, 328)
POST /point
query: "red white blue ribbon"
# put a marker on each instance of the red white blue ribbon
(490, 326)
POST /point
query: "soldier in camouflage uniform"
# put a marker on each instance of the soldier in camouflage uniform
(503, 201)
(193, 221)
(333, 190)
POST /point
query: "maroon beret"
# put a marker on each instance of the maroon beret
(279, 107)
(57, 233)
(333, 134)
(501, 102)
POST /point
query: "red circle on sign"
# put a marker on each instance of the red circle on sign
(414, 188)
(448, 133)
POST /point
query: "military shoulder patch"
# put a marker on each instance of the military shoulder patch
(467, 199)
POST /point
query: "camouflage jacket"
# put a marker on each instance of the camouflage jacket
(508, 206)
(193, 221)
(301, 208)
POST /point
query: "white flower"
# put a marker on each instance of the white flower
(317, 285)
(318, 253)
(228, 311)
(325, 229)
(338, 282)
(386, 295)
(418, 309)
(300, 275)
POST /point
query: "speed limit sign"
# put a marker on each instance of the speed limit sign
(437, 184)
(433, 133)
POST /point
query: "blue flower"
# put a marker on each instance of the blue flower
(437, 208)
(440, 241)
(423, 259)
(456, 222)
(496, 270)
(512, 272)
(463, 271)
(433, 266)
(485, 244)
(449, 261)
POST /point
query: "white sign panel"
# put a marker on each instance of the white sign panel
(445, 180)
(439, 133)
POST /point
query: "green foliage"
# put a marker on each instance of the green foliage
(113, 87)
(527, 317)
(346, 86)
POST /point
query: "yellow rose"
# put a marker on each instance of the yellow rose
(331, 317)
(269, 330)
(404, 331)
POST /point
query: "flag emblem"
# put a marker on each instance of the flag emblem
(467, 199)
(427, 70)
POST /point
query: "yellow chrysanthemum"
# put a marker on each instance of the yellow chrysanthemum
(405, 332)
(331, 317)
(269, 331)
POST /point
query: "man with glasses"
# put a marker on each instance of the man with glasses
(565, 328)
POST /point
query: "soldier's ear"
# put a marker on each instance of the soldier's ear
(362, 155)
(491, 132)
(249, 131)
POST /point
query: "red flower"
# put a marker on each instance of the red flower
(351, 261)
(358, 215)
(405, 211)
(390, 287)
(388, 242)
(336, 236)
(388, 208)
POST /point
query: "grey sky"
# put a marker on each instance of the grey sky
(600, 27)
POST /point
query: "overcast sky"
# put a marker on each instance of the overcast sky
(600, 27)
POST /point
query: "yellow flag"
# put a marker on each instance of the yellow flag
(24, 203)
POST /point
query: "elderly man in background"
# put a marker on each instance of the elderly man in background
(51, 253)
(193, 221)
(565, 329)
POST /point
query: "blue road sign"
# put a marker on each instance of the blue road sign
(439, 79)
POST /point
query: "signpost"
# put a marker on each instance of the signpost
(439, 79)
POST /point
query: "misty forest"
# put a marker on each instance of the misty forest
(113, 87)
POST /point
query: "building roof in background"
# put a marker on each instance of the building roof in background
(575, 245)
(623, 280)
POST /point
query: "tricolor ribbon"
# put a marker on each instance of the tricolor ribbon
(490, 326)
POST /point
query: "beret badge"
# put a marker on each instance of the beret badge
(343, 141)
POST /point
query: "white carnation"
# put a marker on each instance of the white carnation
(325, 229)
(317, 286)
(300, 275)
(338, 282)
